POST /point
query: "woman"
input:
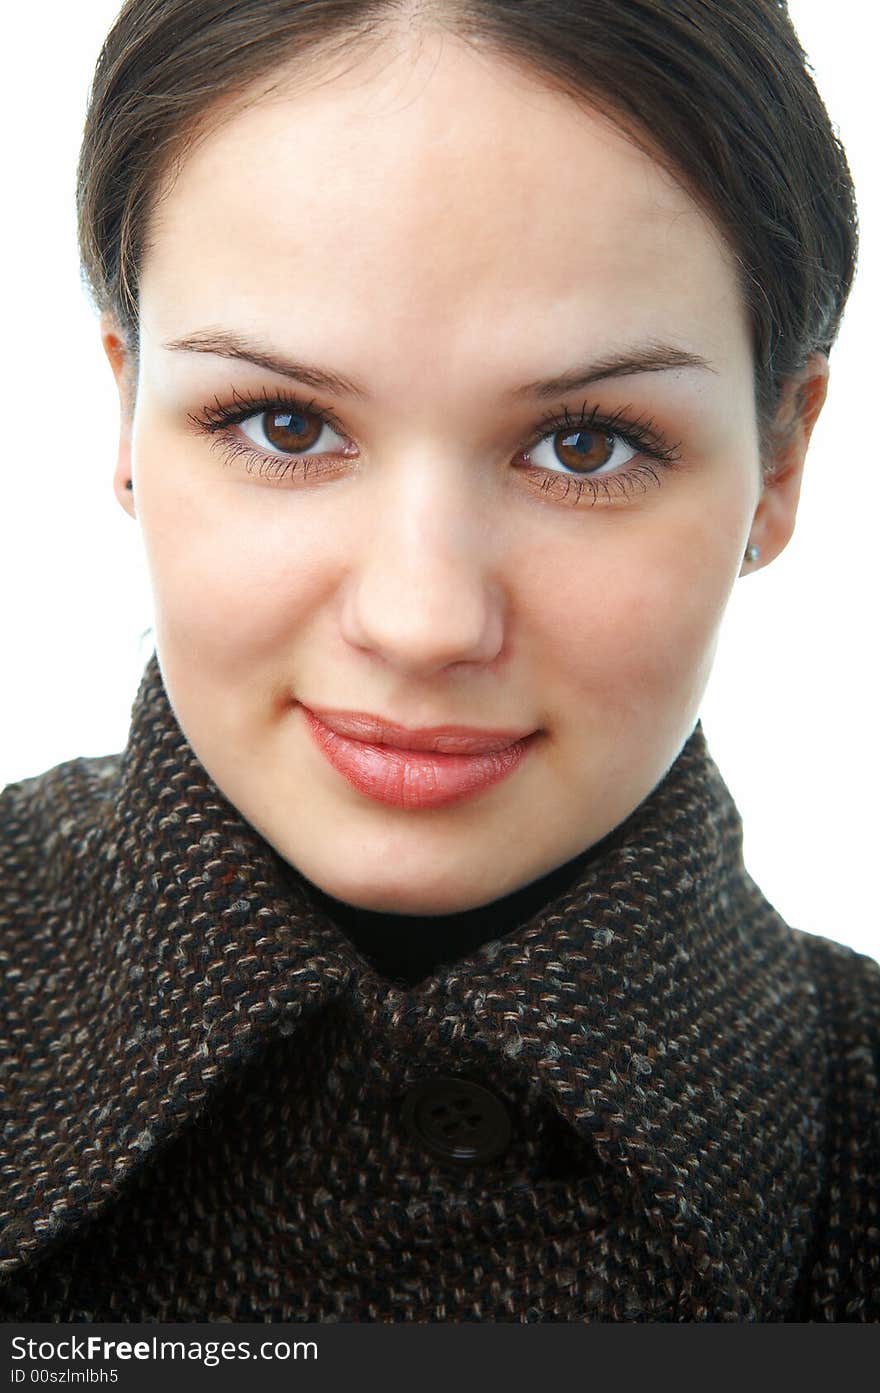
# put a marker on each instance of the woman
(404, 966)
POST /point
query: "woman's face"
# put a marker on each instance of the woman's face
(453, 545)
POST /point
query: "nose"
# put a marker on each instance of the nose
(422, 589)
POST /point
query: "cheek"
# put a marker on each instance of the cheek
(233, 573)
(636, 618)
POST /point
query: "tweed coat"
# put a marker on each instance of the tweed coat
(203, 1078)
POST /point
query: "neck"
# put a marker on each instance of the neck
(408, 947)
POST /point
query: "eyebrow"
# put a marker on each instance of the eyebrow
(649, 357)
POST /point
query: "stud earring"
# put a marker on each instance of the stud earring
(128, 484)
(752, 552)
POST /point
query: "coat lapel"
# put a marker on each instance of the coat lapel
(159, 941)
(671, 1016)
(660, 1002)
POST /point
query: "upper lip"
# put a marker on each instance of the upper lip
(449, 739)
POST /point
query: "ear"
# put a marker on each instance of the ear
(119, 355)
(802, 399)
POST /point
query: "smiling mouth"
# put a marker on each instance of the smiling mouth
(437, 766)
(446, 739)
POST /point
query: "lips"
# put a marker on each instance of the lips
(450, 740)
(437, 765)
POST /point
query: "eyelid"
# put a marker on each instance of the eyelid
(217, 416)
(638, 431)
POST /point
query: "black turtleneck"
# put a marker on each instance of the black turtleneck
(408, 947)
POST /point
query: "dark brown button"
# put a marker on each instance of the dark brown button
(456, 1120)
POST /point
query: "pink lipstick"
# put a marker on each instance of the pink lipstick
(415, 768)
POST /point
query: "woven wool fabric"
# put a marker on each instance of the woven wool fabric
(202, 1078)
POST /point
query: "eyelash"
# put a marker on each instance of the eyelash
(217, 419)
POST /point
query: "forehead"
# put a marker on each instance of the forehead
(441, 182)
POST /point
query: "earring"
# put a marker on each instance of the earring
(128, 484)
(752, 552)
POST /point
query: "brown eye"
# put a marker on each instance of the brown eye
(291, 430)
(585, 450)
(569, 452)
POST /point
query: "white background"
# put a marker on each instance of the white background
(791, 714)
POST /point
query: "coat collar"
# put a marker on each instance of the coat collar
(660, 1002)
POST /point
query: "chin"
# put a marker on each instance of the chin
(404, 899)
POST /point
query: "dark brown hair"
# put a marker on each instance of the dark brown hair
(718, 90)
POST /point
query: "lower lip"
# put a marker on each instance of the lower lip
(414, 778)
